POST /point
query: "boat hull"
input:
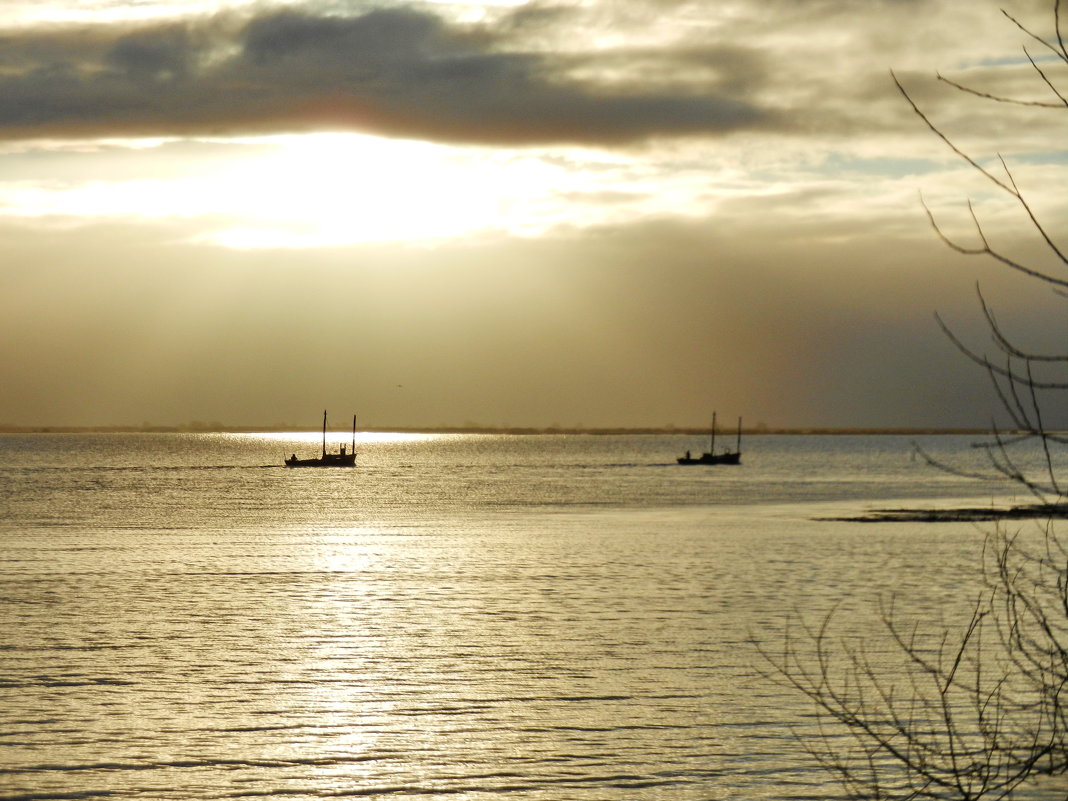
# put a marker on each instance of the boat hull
(712, 458)
(330, 460)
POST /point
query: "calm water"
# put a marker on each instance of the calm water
(553, 617)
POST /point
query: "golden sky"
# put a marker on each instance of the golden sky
(572, 212)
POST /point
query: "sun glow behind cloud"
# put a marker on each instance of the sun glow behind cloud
(315, 190)
(335, 189)
(330, 189)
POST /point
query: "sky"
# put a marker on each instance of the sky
(597, 213)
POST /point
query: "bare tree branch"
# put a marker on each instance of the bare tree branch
(978, 712)
(1058, 50)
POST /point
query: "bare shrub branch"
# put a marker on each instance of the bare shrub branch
(981, 711)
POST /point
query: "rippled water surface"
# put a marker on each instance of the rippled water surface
(544, 617)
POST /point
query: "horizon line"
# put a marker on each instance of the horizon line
(219, 428)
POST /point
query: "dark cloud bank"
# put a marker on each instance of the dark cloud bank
(398, 71)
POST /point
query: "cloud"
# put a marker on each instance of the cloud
(398, 71)
(604, 73)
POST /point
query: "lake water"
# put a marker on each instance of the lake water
(470, 616)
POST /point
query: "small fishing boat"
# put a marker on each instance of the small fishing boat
(340, 459)
(711, 457)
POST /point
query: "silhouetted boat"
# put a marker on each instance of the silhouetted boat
(711, 457)
(340, 459)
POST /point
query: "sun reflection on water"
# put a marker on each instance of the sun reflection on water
(366, 437)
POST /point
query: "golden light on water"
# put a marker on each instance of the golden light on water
(362, 437)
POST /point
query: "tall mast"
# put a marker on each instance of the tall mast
(712, 444)
(738, 447)
(354, 433)
(324, 433)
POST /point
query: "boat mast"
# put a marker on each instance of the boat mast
(738, 447)
(324, 433)
(712, 444)
(354, 433)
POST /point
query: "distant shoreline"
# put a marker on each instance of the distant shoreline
(524, 431)
(979, 514)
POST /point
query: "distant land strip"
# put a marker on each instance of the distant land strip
(971, 514)
(276, 428)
